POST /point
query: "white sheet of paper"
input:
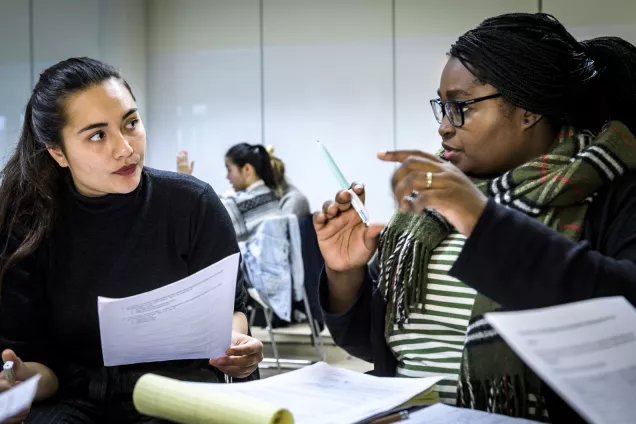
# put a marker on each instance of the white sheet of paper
(444, 414)
(18, 398)
(189, 319)
(586, 351)
(322, 394)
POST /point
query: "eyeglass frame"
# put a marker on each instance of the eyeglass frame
(460, 104)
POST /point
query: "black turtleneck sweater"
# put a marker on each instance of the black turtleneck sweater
(115, 246)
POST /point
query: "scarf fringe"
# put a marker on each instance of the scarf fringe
(404, 253)
(505, 395)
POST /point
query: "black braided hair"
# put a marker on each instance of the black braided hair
(539, 66)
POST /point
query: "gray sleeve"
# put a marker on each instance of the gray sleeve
(294, 203)
(235, 215)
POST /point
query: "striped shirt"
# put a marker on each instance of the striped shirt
(432, 341)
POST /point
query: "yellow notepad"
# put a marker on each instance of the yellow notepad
(426, 398)
(177, 401)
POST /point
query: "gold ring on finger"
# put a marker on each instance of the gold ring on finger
(429, 179)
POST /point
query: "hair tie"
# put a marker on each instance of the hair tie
(588, 63)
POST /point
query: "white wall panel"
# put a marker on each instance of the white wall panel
(15, 69)
(328, 77)
(609, 17)
(203, 82)
(425, 30)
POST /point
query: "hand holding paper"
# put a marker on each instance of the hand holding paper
(242, 357)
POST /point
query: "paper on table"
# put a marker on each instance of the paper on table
(18, 398)
(444, 414)
(189, 319)
(186, 403)
(323, 394)
(586, 351)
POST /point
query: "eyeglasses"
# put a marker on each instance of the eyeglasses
(455, 109)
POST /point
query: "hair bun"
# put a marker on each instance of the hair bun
(270, 149)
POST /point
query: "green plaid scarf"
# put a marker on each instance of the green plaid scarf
(557, 189)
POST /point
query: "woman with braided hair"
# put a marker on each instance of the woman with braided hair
(530, 203)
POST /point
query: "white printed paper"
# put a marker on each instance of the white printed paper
(444, 414)
(586, 351)
(321, 394)
(18, 398)
(189, 319)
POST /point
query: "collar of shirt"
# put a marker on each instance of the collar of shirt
(255, 184)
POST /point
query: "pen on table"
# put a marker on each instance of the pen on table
(355, 200)
(393, 418)
(7, 372)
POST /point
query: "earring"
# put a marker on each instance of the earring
(525, 121)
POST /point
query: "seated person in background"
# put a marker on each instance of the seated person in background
(530, 204)
(292, 201)
(81, 217)
(249, 171)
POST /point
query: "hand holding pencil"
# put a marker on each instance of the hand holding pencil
(13, 372)
(356, 203)
(346, 237)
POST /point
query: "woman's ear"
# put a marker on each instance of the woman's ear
(530, 119)
(248, 170)
(58, 155)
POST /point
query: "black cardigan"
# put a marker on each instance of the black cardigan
(521, 264)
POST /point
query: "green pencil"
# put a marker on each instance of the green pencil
(356, 202)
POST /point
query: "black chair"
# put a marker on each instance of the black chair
(313, 264)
